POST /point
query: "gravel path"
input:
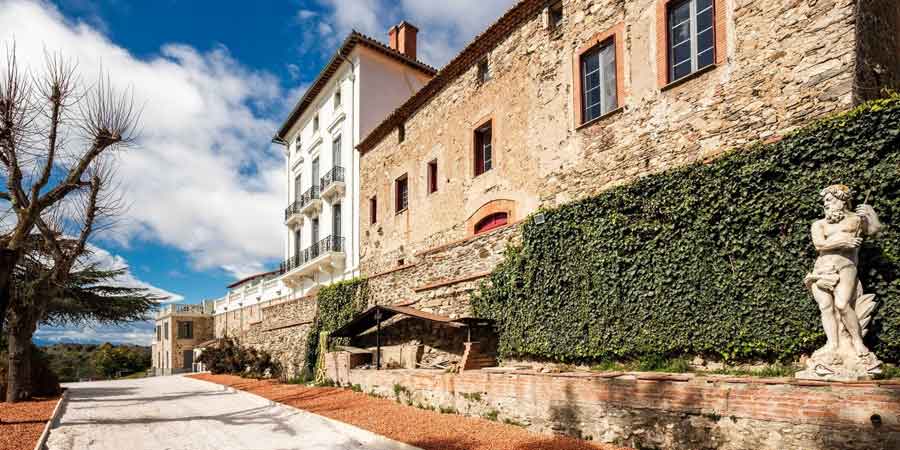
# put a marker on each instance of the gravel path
(428, 430)
(21, 424)
(179, 413)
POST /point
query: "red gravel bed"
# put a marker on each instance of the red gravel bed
(428, 430)
(21, 424)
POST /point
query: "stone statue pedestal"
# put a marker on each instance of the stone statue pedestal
(841, 364)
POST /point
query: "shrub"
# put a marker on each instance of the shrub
(707, 259)
(231, 358)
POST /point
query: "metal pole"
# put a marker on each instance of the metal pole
(378, 339)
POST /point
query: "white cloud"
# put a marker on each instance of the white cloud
(138, 333)
(204, 177)
(444, 27)
(107, 261)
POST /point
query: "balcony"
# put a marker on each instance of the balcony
(186, 310)
(324, 256)
(311, 202)
(292, 214)
(332, 184)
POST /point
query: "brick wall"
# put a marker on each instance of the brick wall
(665, 411)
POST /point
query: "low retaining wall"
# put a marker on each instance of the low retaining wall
(662, 411)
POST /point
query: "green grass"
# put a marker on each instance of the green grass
(448, 410)
(492, 415)
(472, 397)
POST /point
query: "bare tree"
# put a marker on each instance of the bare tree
(53, 129)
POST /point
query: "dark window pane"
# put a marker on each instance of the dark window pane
(681, 34)
(704, 20)
(705, 41)
(706, 59)
(703, 4)
(591, 62)
(680, 13)
(680, 71)
(681, 53)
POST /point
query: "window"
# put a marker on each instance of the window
(166, 331)
(158, 333)
(490, 222)
(402, 191)
(691, 30)
(483, 157)
(298, 189)
(185, 330)
(336, 220)
(555, 15)
(484, 70)
(373, 210)
(297, 143)
(316, 123)
(336, 151)
(315, 172)
(401, 132)
(432, 177)
(400, 262)
(337, 98)
(297, 243)
(598, 81)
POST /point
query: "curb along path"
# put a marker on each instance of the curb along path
(428, 430)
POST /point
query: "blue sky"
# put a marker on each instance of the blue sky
(214, 79)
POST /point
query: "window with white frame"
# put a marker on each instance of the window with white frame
(691, 26)
(598, 81)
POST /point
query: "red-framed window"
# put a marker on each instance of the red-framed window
(492, 221)
(483, 149)
(402, 191)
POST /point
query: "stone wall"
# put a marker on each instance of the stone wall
(440, 279)
(878, 48)
(282, 332)
(785, 64)
(658, 411)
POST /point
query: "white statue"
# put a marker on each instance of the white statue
(846, 311)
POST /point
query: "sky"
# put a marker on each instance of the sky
(214, 79)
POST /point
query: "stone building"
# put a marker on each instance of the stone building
(559, 100)
(180, 329)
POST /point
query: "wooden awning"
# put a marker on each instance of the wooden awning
(369, 319)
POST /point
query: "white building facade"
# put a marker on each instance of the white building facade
(363, 83)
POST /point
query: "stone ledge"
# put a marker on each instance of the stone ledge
(445, 282)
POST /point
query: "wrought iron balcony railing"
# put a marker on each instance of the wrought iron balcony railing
(329, 244)
(293, 208)
(308, 196)
(336, 174)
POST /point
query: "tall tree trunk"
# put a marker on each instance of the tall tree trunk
(8, 260)
(18, 380)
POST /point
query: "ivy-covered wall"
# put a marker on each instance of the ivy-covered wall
(708, 259)
(338, 303)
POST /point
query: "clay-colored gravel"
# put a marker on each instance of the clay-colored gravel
(424, 429)
(21, 424)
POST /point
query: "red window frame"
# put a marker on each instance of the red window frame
(484, 137)
(492, 221)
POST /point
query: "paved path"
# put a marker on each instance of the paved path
(177, 413)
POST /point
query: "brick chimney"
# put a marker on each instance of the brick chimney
(402, 38)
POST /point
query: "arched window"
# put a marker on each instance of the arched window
(490, 222)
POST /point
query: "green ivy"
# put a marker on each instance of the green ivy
(707, 259)
(338, 304)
